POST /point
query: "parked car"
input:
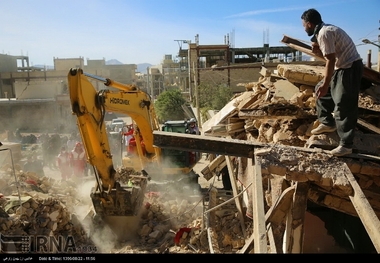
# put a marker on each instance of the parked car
(119, 122)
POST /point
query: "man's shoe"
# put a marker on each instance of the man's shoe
(341, 151)
(322, 128)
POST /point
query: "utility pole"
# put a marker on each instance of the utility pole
(197, 97)
(366, 41)
(189, 68)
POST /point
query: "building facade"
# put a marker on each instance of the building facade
(44, 92)
(33, 98)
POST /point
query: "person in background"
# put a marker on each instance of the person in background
(117, 128)
(193, 127)
(70, 144)
(338, 92)
(225, 178)
(78, 160)
(128, 134)
(63, 161)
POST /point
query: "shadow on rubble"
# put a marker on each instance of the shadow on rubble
(347, 231)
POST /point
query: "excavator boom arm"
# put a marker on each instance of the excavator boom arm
(90, 107)
(111, 196)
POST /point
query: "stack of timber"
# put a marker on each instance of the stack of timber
(293, 167)
(282, 170)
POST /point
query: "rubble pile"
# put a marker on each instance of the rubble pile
(171, 221)
(278, 109)
(176, 225)
(39, 208)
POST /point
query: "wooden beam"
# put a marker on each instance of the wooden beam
(368, 217)
(298, 216)
(232, 147)
(211, 234)
(206, 144)
(272, 241)
(238, 203)
(208, 171)
(277, 212)
(275, 216)
(368, 126)
(216, 145)
(259, 229)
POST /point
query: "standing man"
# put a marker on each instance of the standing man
(63, 161)
(193, 127)
(338, 92)
(78, 160)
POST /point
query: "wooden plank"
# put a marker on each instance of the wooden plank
(232, 147)
(287, 241)
(368, 126)
(368, 217)
(211, 234)
(238, 203)
(275, 216)
(298, 217)
(272, 241)
(208, 171)
(277, 212)
(248, 243)
(259, 229)
(227, 111)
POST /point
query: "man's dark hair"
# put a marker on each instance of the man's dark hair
(312, 16)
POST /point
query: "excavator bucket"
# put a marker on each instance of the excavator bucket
(119, 202)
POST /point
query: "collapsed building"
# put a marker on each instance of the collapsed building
(288, 173)
(289, 195)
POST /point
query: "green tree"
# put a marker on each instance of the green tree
(168, 105)
(213, 97)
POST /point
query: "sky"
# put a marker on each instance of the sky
(144, 31)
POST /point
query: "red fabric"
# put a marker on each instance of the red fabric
(130, 132)
(132, 146)
(78, 160)
(179, 234)
(30, 181)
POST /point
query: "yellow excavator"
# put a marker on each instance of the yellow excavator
(111, 196)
